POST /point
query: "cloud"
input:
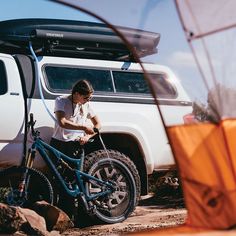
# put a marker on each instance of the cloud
(181, 59)
(185, 60)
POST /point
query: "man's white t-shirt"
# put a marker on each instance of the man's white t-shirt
(81, 115)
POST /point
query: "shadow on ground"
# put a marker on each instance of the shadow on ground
(163, 201)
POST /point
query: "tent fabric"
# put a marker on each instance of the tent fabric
(204, 152)
(210, 28)
(204, 155)
(197, 15)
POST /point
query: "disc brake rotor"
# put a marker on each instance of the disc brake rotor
(16, 198)
(115, 177)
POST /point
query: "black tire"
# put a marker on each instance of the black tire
(97, 155)
(117, 206)
(37, 188)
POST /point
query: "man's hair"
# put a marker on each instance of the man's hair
(83, 87)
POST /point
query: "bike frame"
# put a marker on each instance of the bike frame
(80, 176)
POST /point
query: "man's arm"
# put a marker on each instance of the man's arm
(67, 124)
(97, 124)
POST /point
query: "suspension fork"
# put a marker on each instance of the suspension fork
(30, 157)
(23, 183)
(29, 161)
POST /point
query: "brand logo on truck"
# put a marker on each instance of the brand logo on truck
(54, 35)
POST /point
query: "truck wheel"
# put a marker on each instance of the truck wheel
(118, 205)
(96, 155)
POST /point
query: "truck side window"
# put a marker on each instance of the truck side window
(133, 82)
(60, 78)
(129, 82)
(3, 79)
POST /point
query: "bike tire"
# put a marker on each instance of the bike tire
(114, 154)
(119, 205)
(37, 188)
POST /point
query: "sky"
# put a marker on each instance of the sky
(152, 15)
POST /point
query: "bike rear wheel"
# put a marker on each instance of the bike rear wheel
(117, 206)
(13, 191)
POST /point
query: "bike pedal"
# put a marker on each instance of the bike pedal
(92, 209)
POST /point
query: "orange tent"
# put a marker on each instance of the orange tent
(208, 172)
(205, 152)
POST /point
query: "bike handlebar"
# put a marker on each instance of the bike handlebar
(31, 124)
(31, 118)
(96, 130)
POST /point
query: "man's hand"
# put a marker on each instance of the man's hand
(88, 130)
(83, 140)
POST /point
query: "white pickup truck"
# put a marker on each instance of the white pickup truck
(131, 123)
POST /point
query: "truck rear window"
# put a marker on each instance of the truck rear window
(127, 82)
(62, 78)
(3, 79)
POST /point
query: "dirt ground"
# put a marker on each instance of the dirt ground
(153, 212)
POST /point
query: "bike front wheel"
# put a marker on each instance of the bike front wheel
(21, 186)
(118, 205)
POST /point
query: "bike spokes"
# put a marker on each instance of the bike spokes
(119, 202)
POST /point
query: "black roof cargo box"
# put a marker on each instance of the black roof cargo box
(74, 38)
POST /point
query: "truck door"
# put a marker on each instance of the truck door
(12, 112)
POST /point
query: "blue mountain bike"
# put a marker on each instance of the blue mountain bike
(105, 188)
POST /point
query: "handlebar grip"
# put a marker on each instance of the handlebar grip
(31, 118)
(96, 130)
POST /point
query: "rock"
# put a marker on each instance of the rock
(35, 224)
(55, 218)
(13, 219)
(19, 233)
(169, 179)
(10, 219)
